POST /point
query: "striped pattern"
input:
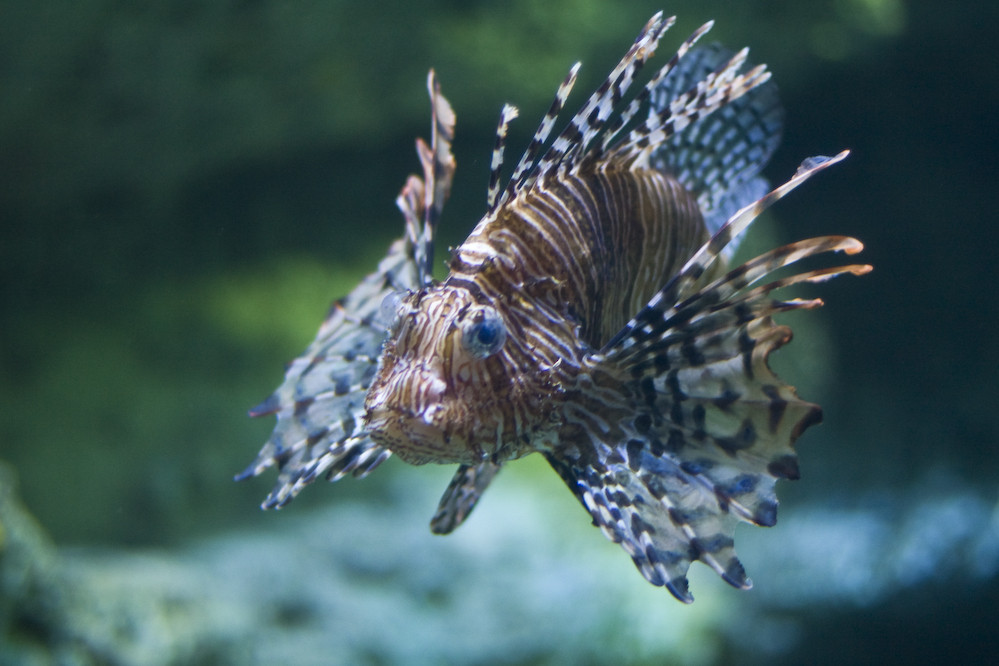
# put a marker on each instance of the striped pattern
(637, 228)
(590, 316)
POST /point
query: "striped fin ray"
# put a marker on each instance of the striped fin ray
(692, 274)
(716, 90)
(320, 404)
(540, 137)
(587, 123)
(654, 85)
(719, 304)
(590, 120)
(438, 173)
(508, 114)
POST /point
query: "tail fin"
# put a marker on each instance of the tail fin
(720, 156)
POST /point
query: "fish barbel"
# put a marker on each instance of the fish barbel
(590, 316)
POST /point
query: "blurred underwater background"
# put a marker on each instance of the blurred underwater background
(184, 188)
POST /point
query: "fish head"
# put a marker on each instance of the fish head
(443, 378)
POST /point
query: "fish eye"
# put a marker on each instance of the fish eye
(483, 332)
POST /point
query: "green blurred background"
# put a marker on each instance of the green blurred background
(184, 186)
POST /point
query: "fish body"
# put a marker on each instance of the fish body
(590, 316)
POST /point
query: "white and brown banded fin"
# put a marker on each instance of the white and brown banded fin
(654, 86)
(425, 199)
(461, 495)
(539, 139)
(670, 112)
(727, 303)
(715, 91)
(692, 276)
(575, 140)
(508, 114)
(591, 120)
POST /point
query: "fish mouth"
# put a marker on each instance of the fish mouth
(424, 430)
(416, 438)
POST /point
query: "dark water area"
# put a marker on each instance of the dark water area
(184, 187)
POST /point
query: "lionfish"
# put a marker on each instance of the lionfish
(589, 316)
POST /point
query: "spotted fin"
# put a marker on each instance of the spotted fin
(661, 516)
(720, 156)
(462, 494)
(320, 404)
(701, 429)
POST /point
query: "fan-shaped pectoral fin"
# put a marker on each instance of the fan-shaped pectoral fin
(320, 404)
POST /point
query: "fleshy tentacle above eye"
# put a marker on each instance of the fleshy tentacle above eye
(426, 199)
(320, 404)
(706, 427)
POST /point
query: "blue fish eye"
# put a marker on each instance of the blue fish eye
(486, 333)
(483, 333)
